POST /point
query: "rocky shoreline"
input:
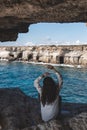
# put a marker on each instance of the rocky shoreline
(21, 112)
(72, 55)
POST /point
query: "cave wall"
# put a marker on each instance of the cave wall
(17, 15)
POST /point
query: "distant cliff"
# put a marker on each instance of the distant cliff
(73, 55)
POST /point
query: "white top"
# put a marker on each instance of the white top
(49, 111)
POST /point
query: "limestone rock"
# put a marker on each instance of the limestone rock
(83, 59)
(47, 54)
(35, 56)
(73, 57)
(26, 55)
(4, 54)
(16, 54)
(17, 15)
(79, 122)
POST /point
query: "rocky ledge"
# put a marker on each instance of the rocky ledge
(17, 15)
(21, 112)
(72, 55)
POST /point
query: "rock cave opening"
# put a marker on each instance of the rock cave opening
(30, 57)
(61, 60)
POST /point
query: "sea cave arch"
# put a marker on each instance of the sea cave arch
(16, 16)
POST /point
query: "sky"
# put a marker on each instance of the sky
(52, 34)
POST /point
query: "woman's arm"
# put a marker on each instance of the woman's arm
(37, 85)
(58, 75)
(36, 82)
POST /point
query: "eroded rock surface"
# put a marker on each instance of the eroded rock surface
(17, 111)
(79, 122)
(68, 55)
(17, 15)
(20, 112)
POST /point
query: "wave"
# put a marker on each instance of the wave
(42, 63)
(63, 65)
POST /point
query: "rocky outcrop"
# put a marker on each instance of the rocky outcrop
(20, 112)
(79, 122)
(71, 55)
(17, 110)
(17, 15)
(52, 125)
(4, 54)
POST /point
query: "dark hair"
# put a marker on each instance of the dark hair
(49, 91)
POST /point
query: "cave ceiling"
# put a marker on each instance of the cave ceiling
(17, 15)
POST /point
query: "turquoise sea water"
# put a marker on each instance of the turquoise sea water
(22, 75)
